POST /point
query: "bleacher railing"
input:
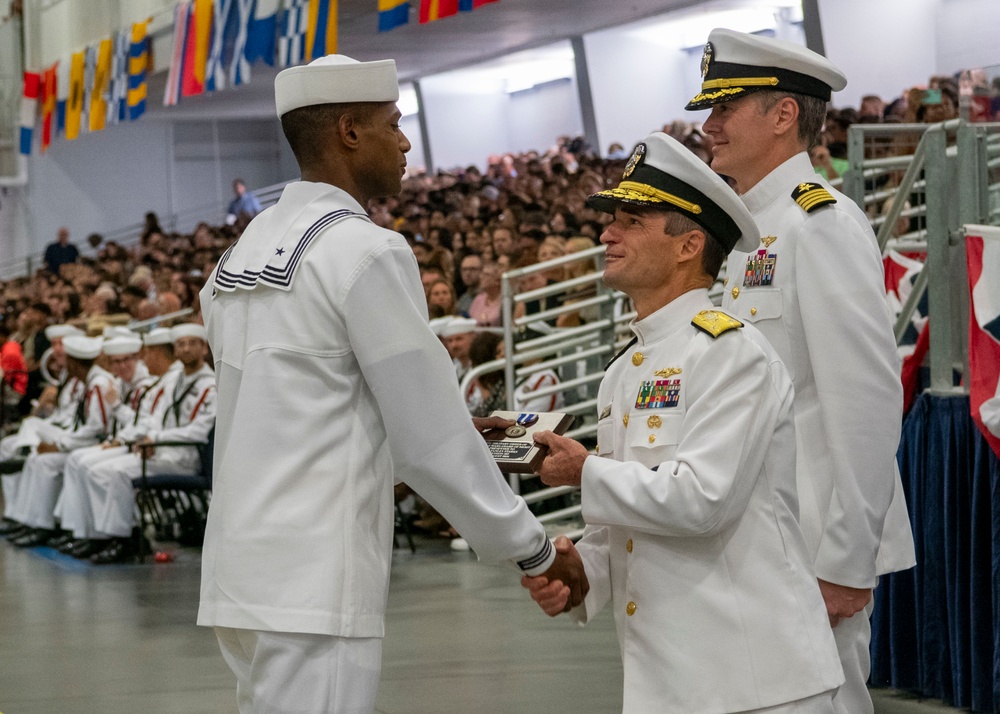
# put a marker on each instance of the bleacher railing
(577, 354)
(919, 184)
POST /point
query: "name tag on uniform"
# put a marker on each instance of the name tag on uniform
(658, 394)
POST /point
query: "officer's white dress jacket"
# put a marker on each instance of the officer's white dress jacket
(331, 387)
(692, 533)
(826, 315)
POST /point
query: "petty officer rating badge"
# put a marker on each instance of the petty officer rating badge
(658, 394)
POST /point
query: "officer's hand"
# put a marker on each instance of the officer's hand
(489, 423)
(47, 448)
(842, 601)
(563, 465)
(111, 444)
(564, 585)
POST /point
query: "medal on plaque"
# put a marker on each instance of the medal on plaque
(514, 448)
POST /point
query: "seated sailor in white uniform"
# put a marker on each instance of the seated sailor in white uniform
(82, 495)
(181, 409)
(41, 478)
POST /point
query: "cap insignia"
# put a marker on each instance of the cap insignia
(637, 156)
(706, 59)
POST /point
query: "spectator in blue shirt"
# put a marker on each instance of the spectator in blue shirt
(61, 252)
(245, 203)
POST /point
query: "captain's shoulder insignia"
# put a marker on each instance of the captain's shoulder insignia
(715, 322)
(811, 196)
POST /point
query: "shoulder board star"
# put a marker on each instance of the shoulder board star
(715, 322)
(811, 196)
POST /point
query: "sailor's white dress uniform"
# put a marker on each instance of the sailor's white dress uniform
(331, 388)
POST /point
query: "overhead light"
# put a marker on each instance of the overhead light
(514, 73)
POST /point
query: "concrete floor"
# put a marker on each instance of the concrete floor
(462, 638)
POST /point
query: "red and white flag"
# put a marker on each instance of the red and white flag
(982, 250)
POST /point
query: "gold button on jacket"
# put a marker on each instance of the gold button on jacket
(637, 359)
(630, 609)
(628, 545)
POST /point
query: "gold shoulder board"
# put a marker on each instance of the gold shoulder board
(811, 196)
(715, 322)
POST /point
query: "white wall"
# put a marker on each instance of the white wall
(638, 86)
(967, 34)
(98, 182)
(105, 181)
(464, 126)
(518, 102)
(410, 126)
(538, 116)
(883, 47)
(14, 231)
(643, 74)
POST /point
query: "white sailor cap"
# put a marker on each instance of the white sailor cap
(188, 329)
(735, 64)
(122, 345)
(335, 79)
(459, 326)
(82, 347)
(158, 336)
(117, 331)
(438, 324)
(54, 331)
(663, 173)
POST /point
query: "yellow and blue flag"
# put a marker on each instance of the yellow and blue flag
(138, 63)
(392, 14)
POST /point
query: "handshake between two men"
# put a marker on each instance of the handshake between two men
(564, 585)
(563, 466)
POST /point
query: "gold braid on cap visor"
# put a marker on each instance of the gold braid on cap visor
(629, 189)
(731, 86)
(740, 82)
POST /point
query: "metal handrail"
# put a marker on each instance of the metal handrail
(913, 170)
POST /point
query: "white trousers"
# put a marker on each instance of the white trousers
(109, 489)
(816, 704)
(80, 497)
(41, 482)
(11, 482)
(294, 673)
(853, 636)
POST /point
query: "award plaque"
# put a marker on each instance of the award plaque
(514, 448)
